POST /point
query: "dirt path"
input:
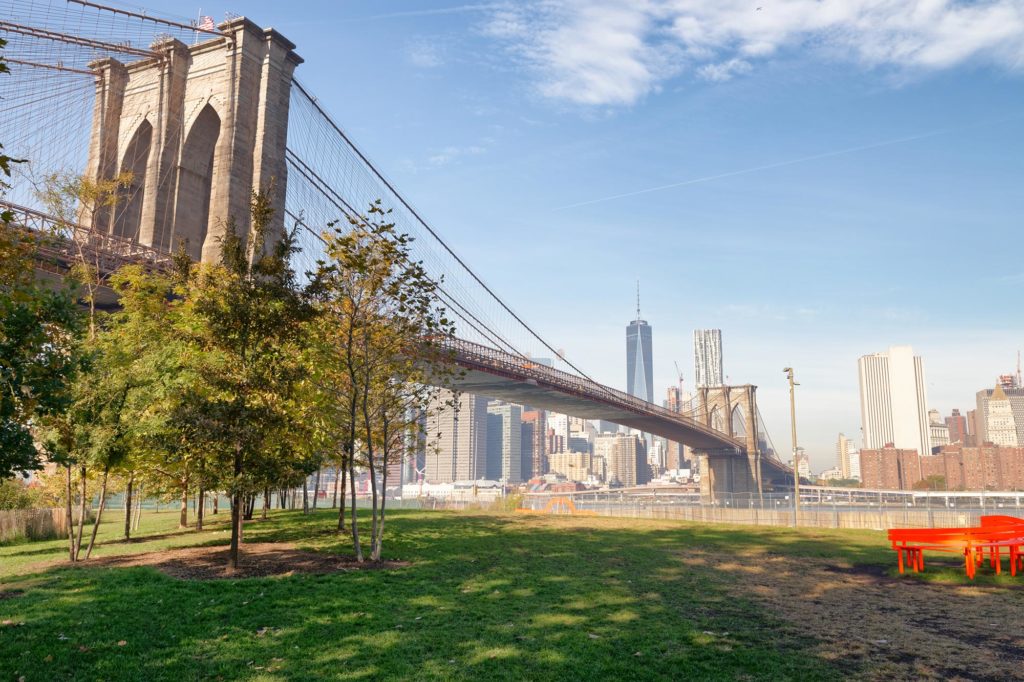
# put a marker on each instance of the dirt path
(258, 559)
(885, 628)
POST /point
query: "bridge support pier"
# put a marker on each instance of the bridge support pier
(727, 473)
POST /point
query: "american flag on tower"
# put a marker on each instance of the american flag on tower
(206, 23)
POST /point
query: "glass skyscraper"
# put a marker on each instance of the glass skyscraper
(639, 368)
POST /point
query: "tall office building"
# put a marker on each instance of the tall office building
(844, 447)
(893, 404)
(707, 357)
(504, 442)
(456, 448)
(957, 425)
(1000, 425)
(533, 443)
(639, 366)
(1014, 397)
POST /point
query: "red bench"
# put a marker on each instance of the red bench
(995, 533)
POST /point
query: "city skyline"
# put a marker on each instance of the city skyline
(799, 182)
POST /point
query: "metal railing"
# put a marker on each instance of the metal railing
(62, 243)
(819, 506)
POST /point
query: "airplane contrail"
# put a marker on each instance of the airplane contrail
(755, 169)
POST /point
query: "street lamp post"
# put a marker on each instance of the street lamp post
(796, 462)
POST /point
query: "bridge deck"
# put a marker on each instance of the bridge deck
(502, 375)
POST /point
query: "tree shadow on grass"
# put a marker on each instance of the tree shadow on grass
(486, 597)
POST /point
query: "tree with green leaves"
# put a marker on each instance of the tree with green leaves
(249, 315)
(386, 358)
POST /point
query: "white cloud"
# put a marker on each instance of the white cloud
(451, 154)
(723, 71)
(607, 52)
(425, 55)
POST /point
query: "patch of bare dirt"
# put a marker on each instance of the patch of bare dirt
(256, 560)
(884, 628)
(10, 594)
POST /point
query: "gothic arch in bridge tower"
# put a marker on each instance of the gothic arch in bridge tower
(128, 208)
(717, 422)
(739, 425)
(196, 176)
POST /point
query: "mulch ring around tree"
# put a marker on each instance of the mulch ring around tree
(256, 560)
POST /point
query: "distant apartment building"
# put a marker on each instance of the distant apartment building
(803, 466)
(844, 447)
(889, 468)
(986, 467)
(558, 432)
(575, 466)
(957, 425)
(676, 454)
(533, 443)
(504, 442)
(855, 465)
(1001, 427)
(938, 432)
(456, 447)
(893, 401)
(974, 428)
(833, 474)
(707, 357)
(627, 460)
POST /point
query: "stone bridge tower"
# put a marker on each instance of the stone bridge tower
(733, 411)
(199, 127)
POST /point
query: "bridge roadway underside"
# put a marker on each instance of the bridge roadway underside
(534, 394)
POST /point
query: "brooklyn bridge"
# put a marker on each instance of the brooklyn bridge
(199, 116)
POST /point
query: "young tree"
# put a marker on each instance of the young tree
(390, 357)
(249, 314)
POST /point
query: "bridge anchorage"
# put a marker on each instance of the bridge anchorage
(199, 118)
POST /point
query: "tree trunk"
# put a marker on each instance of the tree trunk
(81, 515)
(316, 487)
(183, 513)
(236, 512)
(99, 513)
(355, 520)
(373, 479)
(200, 508)
(337, 476)
(266, 502)
(305, 495)
(341, 508)
(379, 540)
(69, 517)
(139, 496)
(216, 502)
(128, 507)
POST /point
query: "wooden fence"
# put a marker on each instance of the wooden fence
(34, 524)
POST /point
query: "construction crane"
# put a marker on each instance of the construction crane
(679, 372)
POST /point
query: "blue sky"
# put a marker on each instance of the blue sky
(836, 177)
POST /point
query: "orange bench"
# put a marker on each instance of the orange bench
(995, 533)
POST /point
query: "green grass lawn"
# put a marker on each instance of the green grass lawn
(486, 596)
